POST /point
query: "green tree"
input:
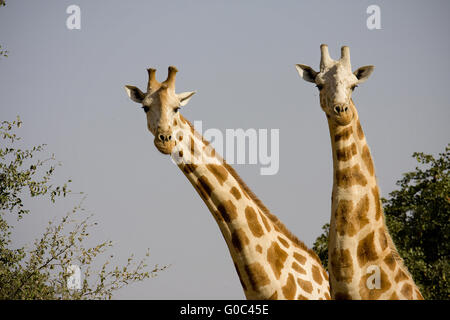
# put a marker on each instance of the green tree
(417, 216)
(3, 52)
(41, 272)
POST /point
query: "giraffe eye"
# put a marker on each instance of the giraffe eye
(145, 109)
(176, 109)
(353, 87)
(319, 86)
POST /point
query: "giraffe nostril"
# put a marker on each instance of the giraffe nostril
(161, 137)
(337, 109)
(345, 109)
(170, 137)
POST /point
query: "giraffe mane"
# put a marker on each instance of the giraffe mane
(283, 229)
(394, 251)
(391, 244)
(274, 219)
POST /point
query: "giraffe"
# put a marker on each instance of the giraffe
(363, 260)
(271, 262)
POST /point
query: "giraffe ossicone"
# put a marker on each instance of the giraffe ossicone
(271, 262)
(363, 260)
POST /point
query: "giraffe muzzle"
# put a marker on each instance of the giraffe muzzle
(338, 109)
(164, 137)
(164, 142)
(342, 114)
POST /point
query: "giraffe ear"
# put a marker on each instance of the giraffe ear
(135, 94)
(306, 72)
(363, 73)
(184, 97)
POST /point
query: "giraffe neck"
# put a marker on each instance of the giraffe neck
(360, 247)
(271, 263)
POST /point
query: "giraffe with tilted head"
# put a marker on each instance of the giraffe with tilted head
(271, 262)
(363, 260)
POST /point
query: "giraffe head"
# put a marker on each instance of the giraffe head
(336, 83)
(161, 104)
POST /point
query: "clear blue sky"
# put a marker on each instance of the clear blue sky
(67, 86)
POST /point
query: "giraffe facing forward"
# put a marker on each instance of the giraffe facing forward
(271, 262)
(363, 260)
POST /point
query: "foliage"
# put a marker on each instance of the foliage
(321, 245)
(42, 271)
(3, 52)
(417, 216)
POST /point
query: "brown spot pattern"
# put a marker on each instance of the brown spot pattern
(390, 261)
(346, 153)
(256, 275)
(362, 208)
(367, 158)
(297, 268)
(305, 285)
(265, 221)
(219, 172)
(283, 242)
(227, 210)
(316, 275)
(401, 275)
(258, 248)
(301, 259)
(190, 168)
(407, 291)
(349, 221)
(204, 187)
(217, 215)
(239, 239)
(376, 199)
(301, 297)
(325, 275)
(276, 258)
(274, 296)
(289, 288)
(192, 147)
(343, 135)
(209, 151)
(359, 130)
(350, 176)
(235, 192)
(366, 250)
(344, 225)
(341, 265)
(382, 239)
(253, 223)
